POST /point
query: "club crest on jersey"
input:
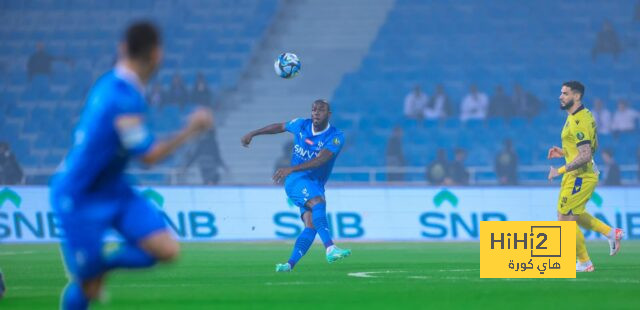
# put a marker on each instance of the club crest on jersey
(336, 141)
(580, 136)
(308, 141)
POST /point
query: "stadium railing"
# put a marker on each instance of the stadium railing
(412, 175)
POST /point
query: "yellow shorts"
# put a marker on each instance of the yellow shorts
(575, 192)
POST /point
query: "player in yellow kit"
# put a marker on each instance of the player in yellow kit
(580, 174)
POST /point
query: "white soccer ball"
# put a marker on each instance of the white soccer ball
(287, 65)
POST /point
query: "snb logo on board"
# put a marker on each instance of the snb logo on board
(528, 249)
(446, 220)
(191, 224)
(20, 222)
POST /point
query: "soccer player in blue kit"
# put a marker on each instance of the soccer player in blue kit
(316, 146)
(90, 193)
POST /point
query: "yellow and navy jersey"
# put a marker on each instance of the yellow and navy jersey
(579, 129)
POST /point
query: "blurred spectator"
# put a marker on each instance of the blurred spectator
(415, 103)
(458, 174)
(10, 170)
(613, 170)
(506, 165)
(526, 104)
(155, 95)
(602, 116)
(438, 106)
(474, 106)
(624, 118)
(201, 94)
(285, 158)
(607, 42)
(395, 154)
(207, 153)
(436, 173)
(40, 62)
(177, 93)
(500, 104)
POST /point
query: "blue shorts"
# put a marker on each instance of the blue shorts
(86, 220)
(301, 189)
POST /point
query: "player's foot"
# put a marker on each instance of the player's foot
(283, 267)
(335, 253)
(2, 287)
(585, 267)
(614, 242)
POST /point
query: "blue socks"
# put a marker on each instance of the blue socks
(73, 297)
(129, 256)
(303, 243)
(319, 219)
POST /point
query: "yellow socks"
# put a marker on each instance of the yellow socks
(589, 222)
(581, 247)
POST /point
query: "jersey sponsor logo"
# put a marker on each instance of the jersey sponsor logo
(320, 144)
(580, 136)
(301, 152)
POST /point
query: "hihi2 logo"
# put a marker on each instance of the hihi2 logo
(531, 249)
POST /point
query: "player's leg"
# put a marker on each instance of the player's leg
(82, 254)
(84, 222)
(317, 205)
(147, 237)
(296, 192)
(574, 195)
(303, 243)
(587, 221)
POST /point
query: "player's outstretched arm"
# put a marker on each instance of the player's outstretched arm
(323, 157)
(199, 121)
(268, 130)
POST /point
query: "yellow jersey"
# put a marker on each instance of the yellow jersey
(580, 128)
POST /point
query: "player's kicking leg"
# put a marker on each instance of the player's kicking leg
(317, 206)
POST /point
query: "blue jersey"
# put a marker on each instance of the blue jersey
(308, 144)
(102, 149)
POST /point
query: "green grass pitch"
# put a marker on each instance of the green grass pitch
(403, 276)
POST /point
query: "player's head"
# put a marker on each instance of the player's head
(141, 46)
(320, 113)
(570, 93)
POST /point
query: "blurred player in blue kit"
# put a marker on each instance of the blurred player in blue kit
(90, 193)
